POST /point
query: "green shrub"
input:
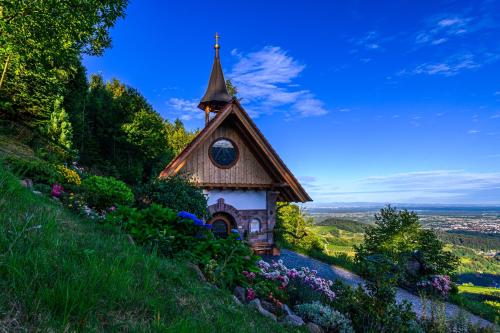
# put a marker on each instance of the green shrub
(104, 192)
(325, 316)
(37, 170)
(373, 308)
(177, 193)
(158, 227)
(417, 253)
(231, 255)
(184, 235)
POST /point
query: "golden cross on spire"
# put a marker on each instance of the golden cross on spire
(217, 40)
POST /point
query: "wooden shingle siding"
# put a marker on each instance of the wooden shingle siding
(247, 169)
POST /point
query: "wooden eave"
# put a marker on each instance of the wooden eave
(289, 187)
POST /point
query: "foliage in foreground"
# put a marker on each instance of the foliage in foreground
(177, 193)
(104, 192)
(324, 316)
(61, 273)
(184, 235)
(416, 253)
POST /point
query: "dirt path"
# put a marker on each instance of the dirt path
(293, 259)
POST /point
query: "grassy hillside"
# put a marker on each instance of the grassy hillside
(483, 301)
(340, 235)
(59, 272)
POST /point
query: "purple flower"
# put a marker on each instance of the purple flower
(198, 222)
(57, 190)
(187, 216)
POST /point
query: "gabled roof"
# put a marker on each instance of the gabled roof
(288, 186)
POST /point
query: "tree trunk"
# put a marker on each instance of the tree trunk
(4, 70)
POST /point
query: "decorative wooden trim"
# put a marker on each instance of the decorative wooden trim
(224, 166)
(241, 186)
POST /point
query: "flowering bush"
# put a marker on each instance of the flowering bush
(436, 285)
(69, 176)
(298, 283)
(251, 294)
(184, 234)
(56, 190)
(325, 316)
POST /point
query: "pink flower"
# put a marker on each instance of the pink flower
(250, 294)
(57, 190)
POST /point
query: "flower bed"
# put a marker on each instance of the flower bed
(300, 284)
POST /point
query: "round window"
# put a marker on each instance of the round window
(223, 153)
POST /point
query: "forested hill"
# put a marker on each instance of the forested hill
(108, 127)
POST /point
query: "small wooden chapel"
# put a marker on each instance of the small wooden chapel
(241, 174)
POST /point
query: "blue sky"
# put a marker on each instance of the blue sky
(365, 101)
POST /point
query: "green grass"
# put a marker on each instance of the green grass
(338, 241)
(483, 301)
(62, 273)
(471, 261)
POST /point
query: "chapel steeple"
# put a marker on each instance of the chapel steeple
(216, 95)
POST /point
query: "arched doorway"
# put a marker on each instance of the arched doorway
(222, 225)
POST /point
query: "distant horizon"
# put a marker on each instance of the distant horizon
(395, 204)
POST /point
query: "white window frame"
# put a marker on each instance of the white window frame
(252, 221)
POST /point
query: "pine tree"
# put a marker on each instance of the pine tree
(59, 128)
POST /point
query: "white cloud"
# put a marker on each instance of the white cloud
(473, 131)
(439, 41)
(497, 93)
(369, 41)
(434, 186)
(449, 22)
(440, 30)
(185, 109)
(450, 67)
(265, 81)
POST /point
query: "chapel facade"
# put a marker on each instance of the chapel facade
(241, 174)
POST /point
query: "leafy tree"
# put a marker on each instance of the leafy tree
(118, 133)
(59, 127)
(293, 228)
(147, 132)
(178, 137)
(40, 45)
(231, 89)
(75, 102)
(399, 237)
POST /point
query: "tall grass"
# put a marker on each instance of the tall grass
(62, 273)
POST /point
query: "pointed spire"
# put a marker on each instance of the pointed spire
(216, 95)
